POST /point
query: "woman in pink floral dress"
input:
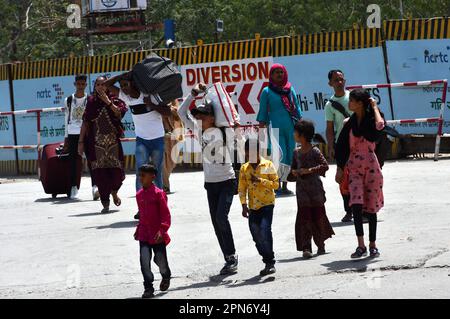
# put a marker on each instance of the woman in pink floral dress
(356, 150)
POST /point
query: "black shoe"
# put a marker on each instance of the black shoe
(165, 285)
(148, 293)
(360, 252)
(231, 266)
(374, 252)
(268, 270)
(307, 254)
(321, 251)
(137, 216)
(347, 218)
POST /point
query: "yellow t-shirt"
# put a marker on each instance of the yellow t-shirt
(259, 194)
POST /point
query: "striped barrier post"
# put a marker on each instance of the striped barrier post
(38, 130)
(439, 120)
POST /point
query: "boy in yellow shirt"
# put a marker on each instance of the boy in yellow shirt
(257, 184)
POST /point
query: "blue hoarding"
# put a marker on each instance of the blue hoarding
(419, 60)
(6, 124)
(309, 76)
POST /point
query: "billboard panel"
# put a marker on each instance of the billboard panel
(419, 60)
(309, 76)
(6, 123)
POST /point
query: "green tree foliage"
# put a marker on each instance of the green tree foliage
(36, 29)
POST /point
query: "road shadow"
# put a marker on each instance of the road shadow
(257, 280)
(119, 225)
(341, 224)
(156, 296)
(59, 200)
(300, 258)
(357, 265)
(95, 214)
(219, 280)
(53, 200)
(290, 260)
(213, 281)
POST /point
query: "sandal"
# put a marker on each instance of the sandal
(116, 199)
(374, 252)
(307, 254)
(360, 252)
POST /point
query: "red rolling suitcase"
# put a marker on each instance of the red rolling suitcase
(55, 170)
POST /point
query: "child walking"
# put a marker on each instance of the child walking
(307, 167)
(257, 183)
(356, 151)
(152, 230)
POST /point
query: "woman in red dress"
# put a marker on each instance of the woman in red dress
(100, 140)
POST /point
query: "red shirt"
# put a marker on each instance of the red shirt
(154, 215)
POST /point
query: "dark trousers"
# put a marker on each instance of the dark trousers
(260, 223)
(73, 155)
(312, 223)
(346, 200)
(160, 260)
(220, 198)
(358, 221)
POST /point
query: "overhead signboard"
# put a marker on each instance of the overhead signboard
(100, 6)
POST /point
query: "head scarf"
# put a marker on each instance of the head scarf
(284, 90)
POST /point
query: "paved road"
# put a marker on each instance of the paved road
(58, 248)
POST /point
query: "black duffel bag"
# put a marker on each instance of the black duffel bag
(157, 75)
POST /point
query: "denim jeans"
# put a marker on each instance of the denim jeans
(150, 151)
(260, 223)
(160, 260)
(220, 198)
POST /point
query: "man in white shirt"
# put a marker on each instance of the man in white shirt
(148, 124)
(75, 106)
(220, 178)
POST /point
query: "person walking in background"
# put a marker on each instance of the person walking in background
(308, 165)
(151, 232)
(356, 151)
(257, 182)
(336, 111)
(100, 140)
(280, 109)
(174, 129)
(220, 178)
(75, 105)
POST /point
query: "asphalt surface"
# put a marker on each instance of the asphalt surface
(67, 249)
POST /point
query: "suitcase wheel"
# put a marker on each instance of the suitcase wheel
(54, 196)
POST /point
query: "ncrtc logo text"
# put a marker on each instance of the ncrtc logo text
(433, 58)
(46, 94)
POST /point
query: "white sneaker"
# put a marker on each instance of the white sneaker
(74, 192)
(95, 193)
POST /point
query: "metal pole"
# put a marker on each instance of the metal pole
(401, 9)
(90, 46)
(12, 107)
(441, 122)
(38, 123)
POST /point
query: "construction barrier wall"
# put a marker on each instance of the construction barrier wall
(414, 50)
